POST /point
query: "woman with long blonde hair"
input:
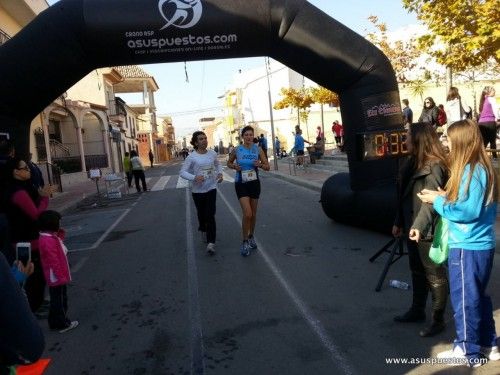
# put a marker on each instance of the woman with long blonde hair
(469, 204)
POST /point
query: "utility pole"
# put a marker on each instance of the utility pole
(268, 67)
(449, 79)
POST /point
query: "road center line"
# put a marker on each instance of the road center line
(197, 350)
(307, 314)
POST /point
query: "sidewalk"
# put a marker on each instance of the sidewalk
(310, 177)
(73, 194)
(314, 175)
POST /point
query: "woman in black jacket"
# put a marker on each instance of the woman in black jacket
(429, 113)
(424, 169)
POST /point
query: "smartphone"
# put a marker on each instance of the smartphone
(23, 252)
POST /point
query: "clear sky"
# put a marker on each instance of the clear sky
(209, 79)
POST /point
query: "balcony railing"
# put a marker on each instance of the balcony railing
(117, 107)
(3, 37)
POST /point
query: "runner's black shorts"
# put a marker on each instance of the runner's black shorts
(249, 189)
(300, 152)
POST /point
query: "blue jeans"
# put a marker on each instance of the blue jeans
(470, 272)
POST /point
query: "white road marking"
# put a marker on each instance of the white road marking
(104, 235)
(227, 177)
(161, 183)
(307, 314)
(197, 349)
(182, 183)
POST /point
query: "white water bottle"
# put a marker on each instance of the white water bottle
(399, 284)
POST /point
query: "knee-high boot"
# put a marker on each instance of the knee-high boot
(416, 313)
(438, 283)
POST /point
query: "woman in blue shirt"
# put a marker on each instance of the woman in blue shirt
(469, 204)
(245, 160)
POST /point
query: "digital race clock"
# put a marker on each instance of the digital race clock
(381, 144)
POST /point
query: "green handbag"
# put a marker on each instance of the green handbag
(439, 248)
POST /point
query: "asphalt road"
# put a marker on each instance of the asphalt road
(150, 301)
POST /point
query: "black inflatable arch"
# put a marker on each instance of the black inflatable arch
(73, 37)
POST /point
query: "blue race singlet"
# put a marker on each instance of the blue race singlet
(245, 158)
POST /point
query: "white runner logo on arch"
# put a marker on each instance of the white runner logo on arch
(180, 13)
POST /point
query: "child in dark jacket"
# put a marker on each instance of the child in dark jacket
(55, 269)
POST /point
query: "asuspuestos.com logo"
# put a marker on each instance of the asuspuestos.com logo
(189, 40)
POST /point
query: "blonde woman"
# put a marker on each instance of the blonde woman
(469, 204)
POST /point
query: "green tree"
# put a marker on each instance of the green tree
(324, 96)
(299, 99)
(463, 33)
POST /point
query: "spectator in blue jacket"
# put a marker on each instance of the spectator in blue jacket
(469, 204)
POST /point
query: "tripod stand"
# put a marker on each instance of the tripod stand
(395, 245)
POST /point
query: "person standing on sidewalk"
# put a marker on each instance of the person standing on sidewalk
(138, 171)
(127, 166)
(407, 114)
(55, 265)
(469, 204)
(24, 204)
(455, 107)
(430, 112)
(263, 144)
(203, 168)
(151, 157)
(338, 132)
(277, 147)
(21, 338)
(245, 160)
(488, 118)
(424, 169)
(36, 173)
(299, 147)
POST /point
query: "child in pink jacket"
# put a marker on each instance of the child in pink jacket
(55, 269)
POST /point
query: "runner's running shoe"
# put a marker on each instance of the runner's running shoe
(252, 243)
(245, 249)
(211, 248)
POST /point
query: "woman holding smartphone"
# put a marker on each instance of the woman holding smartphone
(469, 204)
(24, 204)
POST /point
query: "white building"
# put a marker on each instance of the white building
(248, 103)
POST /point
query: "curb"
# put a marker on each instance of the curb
(316, 186)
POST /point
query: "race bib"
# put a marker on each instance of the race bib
(207, 172)
(248, 175)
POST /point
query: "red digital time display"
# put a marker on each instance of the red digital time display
(382, 144)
